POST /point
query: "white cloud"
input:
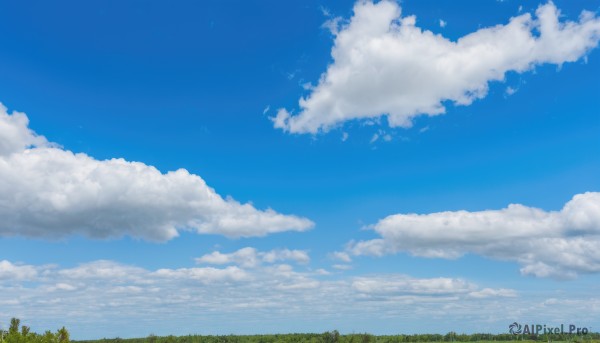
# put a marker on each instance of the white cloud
(298, 256)
(49, 192)
(510, 90)
(10, 271)
(204, 275)
(101, 270)
(322, 271)
(246, 257)
(342, 266)
(403, 285)
(106, 293)
(490, 292)
(332, 25)
(557, 244)
(341, 256)
(325, 11)
(443, 23)
(250, 257)
(15, 134)
(61, 286)
(385, 65)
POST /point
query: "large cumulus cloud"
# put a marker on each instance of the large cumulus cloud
(383, 64)
(558, 244)
(49, 192)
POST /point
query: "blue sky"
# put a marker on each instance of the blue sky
(304, 211)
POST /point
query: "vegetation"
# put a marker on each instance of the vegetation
(22, 334)
(334, 336)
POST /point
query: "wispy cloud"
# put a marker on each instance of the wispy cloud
(104, 293)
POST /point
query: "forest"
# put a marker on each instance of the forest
(18, 333)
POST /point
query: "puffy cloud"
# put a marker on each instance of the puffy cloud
(383, 64)
(15, 133)
(250, 257)
(557, 244)
(10, 271)
(49, 192)
(247, 257)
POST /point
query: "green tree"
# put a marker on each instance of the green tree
(62, 335)
(14, 326)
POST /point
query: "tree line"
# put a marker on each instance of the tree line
(335, 336)
(18, 333)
